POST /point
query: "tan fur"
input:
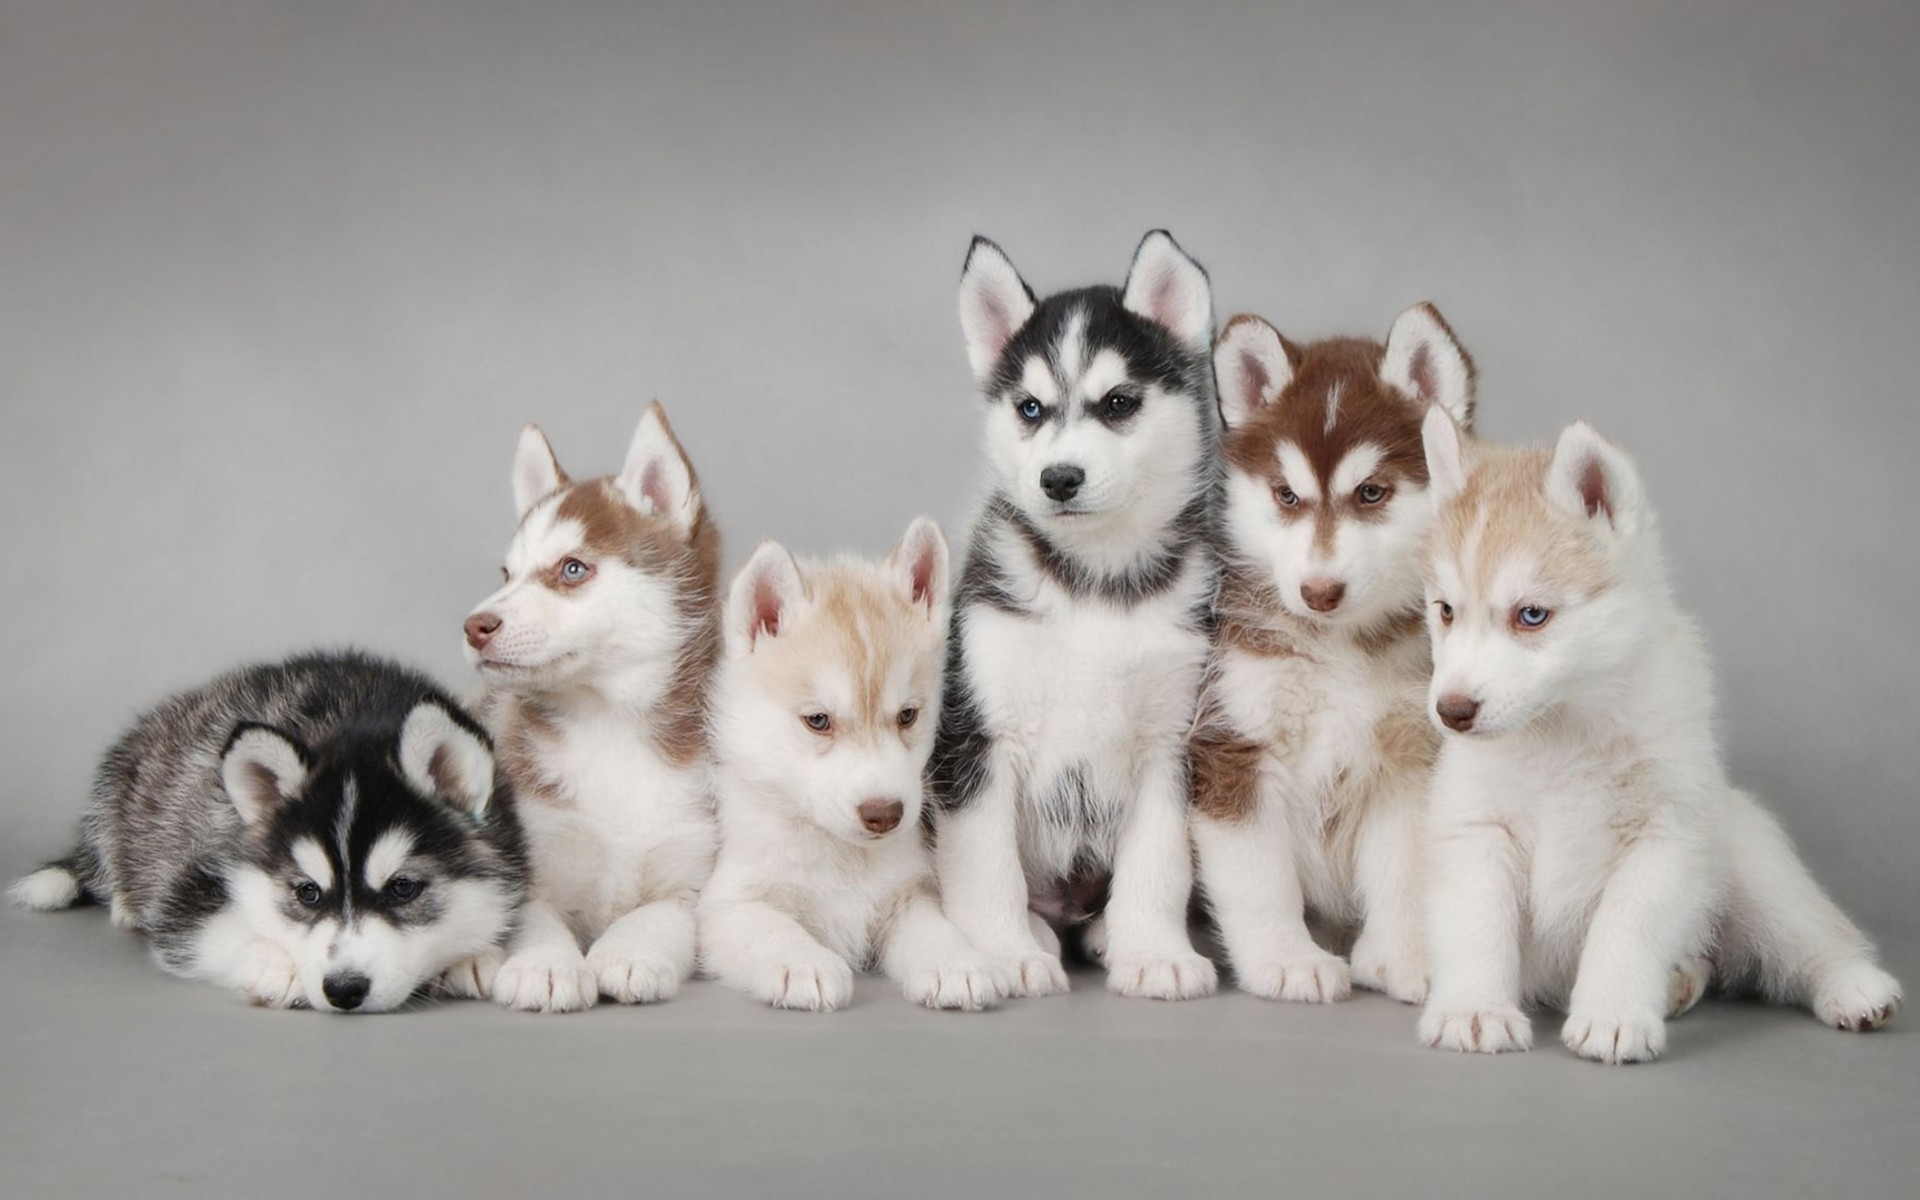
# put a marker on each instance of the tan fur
(1502, 516)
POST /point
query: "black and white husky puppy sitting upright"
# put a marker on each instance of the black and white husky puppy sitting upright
(1081, 622)
(327, 831)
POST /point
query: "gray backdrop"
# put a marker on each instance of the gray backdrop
(282, 280)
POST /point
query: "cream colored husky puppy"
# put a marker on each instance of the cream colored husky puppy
(826, 702)
(1588, 850)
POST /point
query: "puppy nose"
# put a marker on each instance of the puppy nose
(1323, 595)
(480, 629)
(1457, 711)
(881, 816)
(346, 990)
(1060, 483)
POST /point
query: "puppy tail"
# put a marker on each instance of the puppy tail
(56, 885)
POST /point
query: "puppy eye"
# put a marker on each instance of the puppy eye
(1370, 493)
(1446, 613)
(308, 893)
(908, 716)
(575, 572)
(1531, 616)
(1030, 410)
(1122, 404)
(1285, 495)
(819, 722)
(402, 888)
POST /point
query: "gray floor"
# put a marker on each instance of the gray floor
(122, 1081)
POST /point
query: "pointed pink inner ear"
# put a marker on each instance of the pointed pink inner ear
(1420, 369)
(767, 605)
(653, 486)
(923, 576)
(1255, 379)
(1593, 489)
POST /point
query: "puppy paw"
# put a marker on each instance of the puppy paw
(1688, 985)
(817, 986)
(633, 978)
(1093, 939)
(1179, 976)
(270, 978)
(1400, 972)
(1481, 1031)
(1321, 979)
(1856, 996)
(545, 981)
(1615, 1037)
(1031, 973)
(472, 978)
(967, 985)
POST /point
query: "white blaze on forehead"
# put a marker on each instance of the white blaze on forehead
(1297, 472)
(1037, 379)
(1107, 371)
(1360, 462)
(1070, 352)
(544, 539)
(388, 855)
(312, 861)
(1333, 404)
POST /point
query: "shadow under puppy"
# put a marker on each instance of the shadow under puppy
(328, 831)
(825, 707)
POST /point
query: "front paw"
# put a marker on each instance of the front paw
(968, 985)
(546, 981)
(1317, 979)
(1401, 973)
(1175, 976)
(633, 978)
(1856, 996)
(1030, 971)
(820, 985)
(472, 978)
(1615, 1037)
(1489, 1030)
(272, 980)
(1687, 985)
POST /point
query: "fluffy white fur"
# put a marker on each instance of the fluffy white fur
(804, 892)
(1588, 850)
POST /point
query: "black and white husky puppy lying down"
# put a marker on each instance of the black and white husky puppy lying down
(325, 831)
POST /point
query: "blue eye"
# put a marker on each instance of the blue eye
(574, 571)
(1531, 616)
(1031, 410)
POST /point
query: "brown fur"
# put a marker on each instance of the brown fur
(1502, 516)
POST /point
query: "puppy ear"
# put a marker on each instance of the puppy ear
(763, 597)
(1425, 361)
(920, 562)
(658, 479)
(536, 472)
(261, 768)
(1446, 456)
(442, 755)
(1169, 289)
(1591, 479)
(994, 303)
(1251, 366)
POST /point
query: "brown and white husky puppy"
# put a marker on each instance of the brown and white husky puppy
(824, 714)
(597, 654)
(1312, 752)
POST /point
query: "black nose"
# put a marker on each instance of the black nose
(1060, 483)
(1457, 711)
(347, 989)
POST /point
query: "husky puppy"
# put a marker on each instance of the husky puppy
(328, 831)
(1081, 621)
(1312, 754)
(1588, 849)
(824, 711)
(596, 655)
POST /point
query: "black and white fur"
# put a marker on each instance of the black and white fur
(1081, 622)
(325, 831)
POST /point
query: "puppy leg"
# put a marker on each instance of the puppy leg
(1473, 924)
(227, 951)
(984, 888)
(1391, 953)
(643, 956)
(545, 971)
(1149, 951)
(753, 947)
(1783, 932)
(934, 963)
(1253, 888)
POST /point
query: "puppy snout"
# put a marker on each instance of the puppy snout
(881, 815)
(480, 629)
(346, 989)
(1323, 595)
(1062, 483)
(1457, 711)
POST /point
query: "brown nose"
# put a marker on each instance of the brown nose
(1457, 711)
(881, 816)
(480, 629)
(1322, 595)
